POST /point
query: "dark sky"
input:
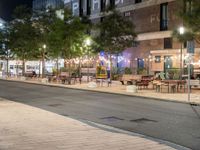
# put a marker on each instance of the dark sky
(7, 6)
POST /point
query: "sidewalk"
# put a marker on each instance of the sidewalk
(23, 127)
(117, 88)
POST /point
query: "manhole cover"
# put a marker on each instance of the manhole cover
(112, 119)
(142, 120)
(55, 105)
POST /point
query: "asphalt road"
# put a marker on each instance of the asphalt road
(175, 122)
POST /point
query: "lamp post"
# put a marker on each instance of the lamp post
(43, 60)
(88, 43)
(181, 32)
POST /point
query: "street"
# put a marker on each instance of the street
(174, 122)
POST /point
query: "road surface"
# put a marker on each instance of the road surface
(174, 122)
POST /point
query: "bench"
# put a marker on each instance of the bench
(194, 83)
(130, 79)
(65, 77)
(29, 74)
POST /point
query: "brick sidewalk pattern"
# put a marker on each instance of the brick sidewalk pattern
(23, 127)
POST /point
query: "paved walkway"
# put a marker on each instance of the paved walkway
(121, 89)
(24, 127)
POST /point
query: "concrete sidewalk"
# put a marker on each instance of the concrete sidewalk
(23, 127)
(117, 88)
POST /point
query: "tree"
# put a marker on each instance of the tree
(190, 13)
(42, 22)
(22, 35)
(115, 34)
(5, 52)
(67, 36)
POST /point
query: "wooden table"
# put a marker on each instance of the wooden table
(177, 83)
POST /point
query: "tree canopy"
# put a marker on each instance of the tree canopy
(115, 32)
(190, 13)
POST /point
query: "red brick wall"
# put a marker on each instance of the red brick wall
(148, 19)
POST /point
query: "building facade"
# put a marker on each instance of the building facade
(44, 4)
(2, 24)
(154, 49)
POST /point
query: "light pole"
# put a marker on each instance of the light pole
(88, 43)
(181, 32)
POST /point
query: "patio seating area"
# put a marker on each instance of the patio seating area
(173, 90)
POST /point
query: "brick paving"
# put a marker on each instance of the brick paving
(23, 127)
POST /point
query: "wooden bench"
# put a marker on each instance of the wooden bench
(65, 77)
(194, 83)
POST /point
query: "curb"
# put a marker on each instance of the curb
(117, 130)
(107, 92)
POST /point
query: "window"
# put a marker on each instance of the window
(168, 63)
(188, 6)
(157, 59)
(163, 16)
(140, 63)
(103, 5)
(81, 7)
(88, 7)
(167, 43)
(112, 3)
(138, 1)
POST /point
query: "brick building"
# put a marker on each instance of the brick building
(154, 49)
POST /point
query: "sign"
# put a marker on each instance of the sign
(101, 72)
(190, 47)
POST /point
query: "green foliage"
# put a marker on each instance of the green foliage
(142, 71)
(190, 14)
(173, 73)
(127, 70)
(115, 33)
(4, 43)
(67, 36)
(22, 34)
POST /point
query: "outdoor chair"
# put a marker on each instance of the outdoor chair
(170, 87)
(142, 84)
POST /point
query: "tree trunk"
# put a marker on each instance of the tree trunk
(57, 66)
(7, 67)
(110, 67)
(117, 64)
(23, 66)
(43, 66)
(39, 68)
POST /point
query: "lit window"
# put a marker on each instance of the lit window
(157, 59)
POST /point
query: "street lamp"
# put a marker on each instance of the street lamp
(181, 32)
(88, 43)
(44, 46)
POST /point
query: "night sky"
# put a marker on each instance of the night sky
(7, 6)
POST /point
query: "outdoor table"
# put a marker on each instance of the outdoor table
(178, 83)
